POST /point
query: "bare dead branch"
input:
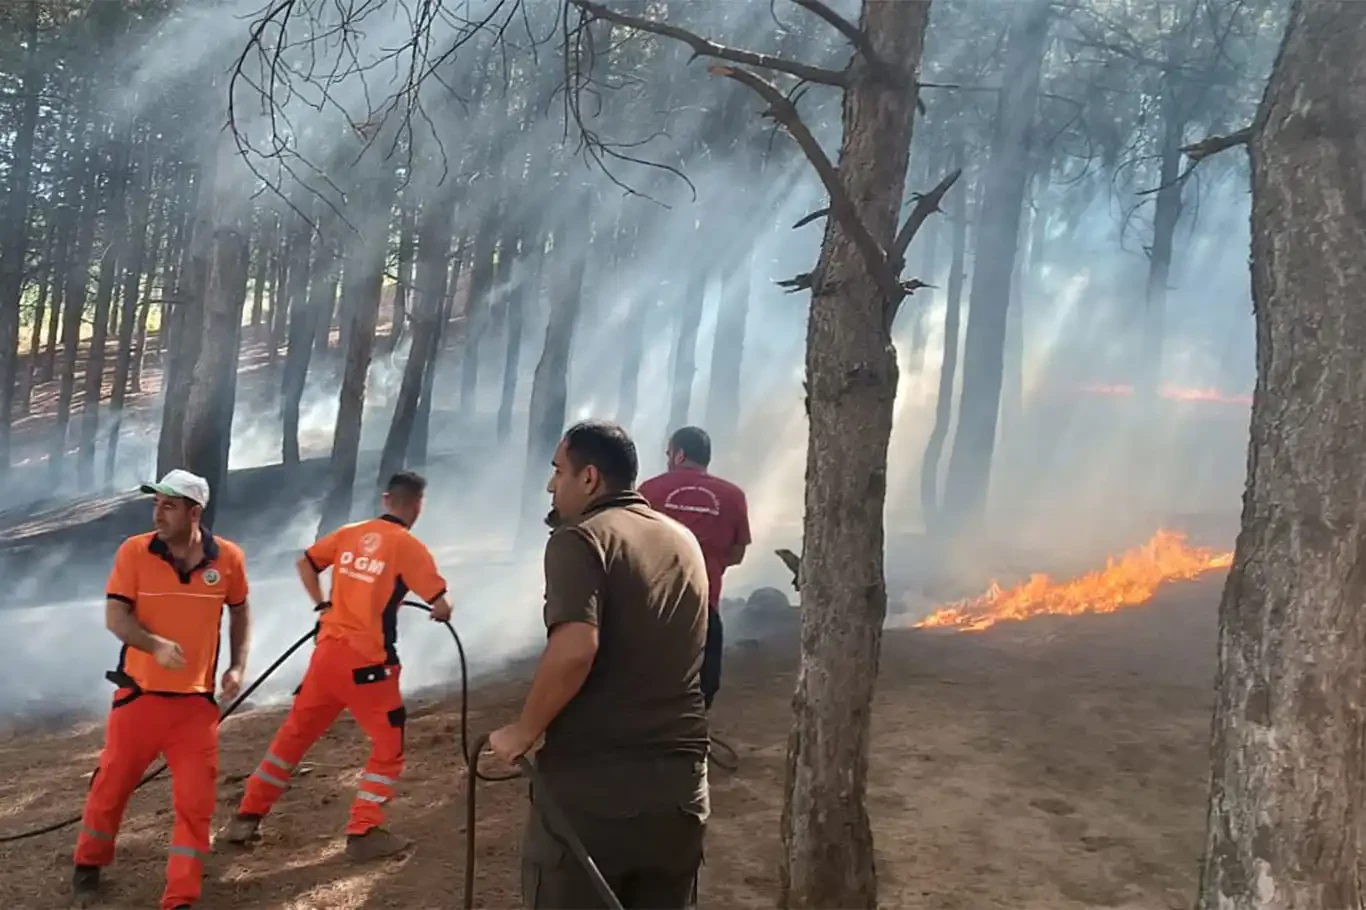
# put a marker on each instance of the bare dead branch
(856, 36)
(1199, 151)
(784, 112)
(814, 216)
(703, 47)
(803, 282)
(925, 205)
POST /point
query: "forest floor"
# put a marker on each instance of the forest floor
(1055, 764)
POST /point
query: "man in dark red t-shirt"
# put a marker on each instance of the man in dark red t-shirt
(718, 516)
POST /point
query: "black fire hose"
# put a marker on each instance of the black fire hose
(555, 818)
(160, 769)
(554, 813)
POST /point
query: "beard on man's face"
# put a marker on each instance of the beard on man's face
(552, 518)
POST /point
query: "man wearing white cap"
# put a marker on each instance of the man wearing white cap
(164, 601)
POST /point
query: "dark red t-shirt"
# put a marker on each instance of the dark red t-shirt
(713, 509)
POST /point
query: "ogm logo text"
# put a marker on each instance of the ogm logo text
(362, 568)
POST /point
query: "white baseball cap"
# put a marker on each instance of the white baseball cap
(181, 483)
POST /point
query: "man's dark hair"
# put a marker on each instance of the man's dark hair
(694, 443)
(607, 447)
(406, 485)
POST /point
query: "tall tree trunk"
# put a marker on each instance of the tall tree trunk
(362, 286)
(1166, 214)
(181, 327)
(128, 322)
(1287, 793)
(478, 310)
(689, 309)
(417, 446)
(77, 282)
(728, 352)
(1007, 172)
(402, 287)
(281, 302)
(519, 283)
(14, 231)
(1012, 353)
(29, 377)
(145, 311)
(209, 405)
(265, 244)
(851, 381)
(434, 243)
(302, 313)
(633, 354)
(549, 384)
(115, 255)
(948, 365)
(925, 297)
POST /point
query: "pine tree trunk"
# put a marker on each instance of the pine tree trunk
(948, 366)
(363, 284)
(265, 243)
(14, 230)
(130, 320)
(851, 380)
(1166, 215)
(434, 243)
(115, 255)
(302, 313)
(417, 446)
(549, 384)
(77, 282)
(402, 288)
(633, 355)
(29, 376)
(182, 326)
(1287, 794)
(207, 433)
(1007, 173)
(728, 353)
(517, 291)
(478, 312)
(689, 307)
(145, 311)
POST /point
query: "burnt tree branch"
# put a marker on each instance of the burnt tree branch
(785, 113)
(926, 204)
(703, 47)
(1199, 151)
(857, 37)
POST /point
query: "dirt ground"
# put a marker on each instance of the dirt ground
(1048, 765)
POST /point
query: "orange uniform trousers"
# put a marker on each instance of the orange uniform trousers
(337, 678)
(183, 728)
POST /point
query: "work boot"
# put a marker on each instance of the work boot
(374, 844)
(85, 885)
(243, 830)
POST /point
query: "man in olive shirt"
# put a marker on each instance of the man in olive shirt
(617, 693)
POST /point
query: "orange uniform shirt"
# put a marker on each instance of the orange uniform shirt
(185, 608)
(375, 564)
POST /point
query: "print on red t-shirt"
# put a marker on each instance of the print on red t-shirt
(713, 509)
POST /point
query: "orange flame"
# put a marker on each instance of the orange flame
(1132, 578)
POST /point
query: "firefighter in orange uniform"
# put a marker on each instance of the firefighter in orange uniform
(375, 564)
(164, 601)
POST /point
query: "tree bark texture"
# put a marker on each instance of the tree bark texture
(129, 322)
(549, 384)
(14, 225)
(434, 242)
(948, 365)
(1286, 799)
(362, 286)
(689, 309)
(1007, 173)
(302, 313)
(77, 284)
(851, 377)
(728, 353)
(207, 432)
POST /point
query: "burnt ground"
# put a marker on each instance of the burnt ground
(1056, 764)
